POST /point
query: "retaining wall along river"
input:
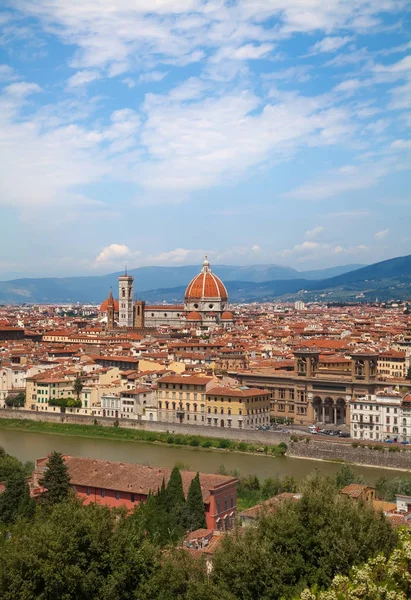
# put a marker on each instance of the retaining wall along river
(318, 449)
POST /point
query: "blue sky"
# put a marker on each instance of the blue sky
(149, 132)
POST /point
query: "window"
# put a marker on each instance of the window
(103, 493)
(117, 495)
(132, 497)
(232, 502)
(218, 506)
(88, 491)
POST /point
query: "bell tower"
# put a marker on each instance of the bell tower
(125, 300)
(110, 311)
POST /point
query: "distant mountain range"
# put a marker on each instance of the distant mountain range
(96, 288)
(390, 279)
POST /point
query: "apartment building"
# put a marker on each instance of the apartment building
(238, 408)
(182, 398)
(392, 364)
(380, 416)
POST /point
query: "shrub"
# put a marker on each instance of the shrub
(283, 446)
(170, 439)
(307, 440)
(116, 423)
(355, 444)
(242, 446)
(394, 449)
(194, 442)
(224, 444)
(206, 444)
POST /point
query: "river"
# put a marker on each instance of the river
(30, 445)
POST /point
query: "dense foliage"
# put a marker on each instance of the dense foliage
(69, 551)
(16, 401)
(301, 544)
(380, 578)
(65, 402)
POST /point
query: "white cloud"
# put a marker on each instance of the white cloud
(312, 233)
(345, 179)
(7, 73)
(401, 145)
(308, 251)
(153, 76)
(330, 44)
(381, 234)
(113, 35)
(349, 85)
(112, 253)
(82, 78)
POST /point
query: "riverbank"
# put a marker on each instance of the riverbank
(140, 435)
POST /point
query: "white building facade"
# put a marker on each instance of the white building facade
(381, 416)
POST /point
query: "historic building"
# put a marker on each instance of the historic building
(205, 305)
(126, 485)
(312, 393)
(380, 416)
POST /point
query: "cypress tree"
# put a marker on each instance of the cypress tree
(195, 518)
(174, 492)
(15, 501)
(56, 480)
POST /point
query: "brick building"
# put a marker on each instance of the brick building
(118, 484)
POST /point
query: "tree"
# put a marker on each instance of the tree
(194, 508)
(77, 387)
(56, 480)
(301, 543)
(15, 501)
(16, 401)
(175, 492)
(345, 476)
(378, 579)
(408, 376)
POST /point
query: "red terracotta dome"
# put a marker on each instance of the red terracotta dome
(103, 307)
(193, 316)
(227, 316)
(205, 285)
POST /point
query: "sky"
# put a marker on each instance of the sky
(148, 132)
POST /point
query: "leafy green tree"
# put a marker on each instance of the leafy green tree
(380, 578)
(408, 376)
(181, 577)
(194, 507)
(64, 554)
(15, 501)
(345, 476)
(388, 488)
(56, 480)
(16, 401)
(271, 487)
(302, 543)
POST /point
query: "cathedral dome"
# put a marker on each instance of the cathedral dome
(194, 316)
(227, 316)
(206, 285)
(103, 307)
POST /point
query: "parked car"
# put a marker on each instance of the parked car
(343, 434)
(313, 429)
(388, 441)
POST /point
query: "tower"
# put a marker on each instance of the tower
(125, 300)
(110, 311)
(139, 314)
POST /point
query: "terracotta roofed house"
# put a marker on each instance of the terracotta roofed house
(127, 484)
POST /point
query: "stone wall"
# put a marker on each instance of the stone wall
(362, 455)
(317, 449)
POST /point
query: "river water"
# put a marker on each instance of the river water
(29, 446)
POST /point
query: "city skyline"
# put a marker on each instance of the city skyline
(256, 132)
